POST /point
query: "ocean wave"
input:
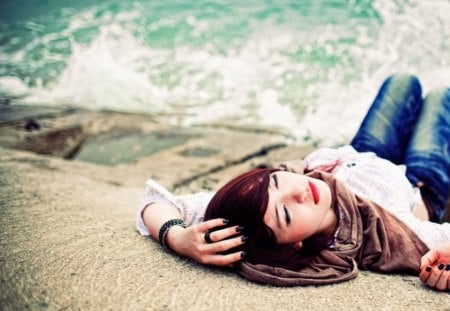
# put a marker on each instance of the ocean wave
(310, 69)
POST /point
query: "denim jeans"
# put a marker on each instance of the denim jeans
(405, 128)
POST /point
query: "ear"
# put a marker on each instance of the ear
(298, 246)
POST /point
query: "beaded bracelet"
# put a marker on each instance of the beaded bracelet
(165, 228)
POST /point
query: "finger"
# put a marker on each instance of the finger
(425, 274)
(225, 245)
(224, 260)
(429, 258)
(442, 283)
(225, 233)
(212, 223)
(447, 269)
(434, 276)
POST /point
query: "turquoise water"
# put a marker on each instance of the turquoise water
(309, 67)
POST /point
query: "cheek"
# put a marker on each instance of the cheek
(304, 218)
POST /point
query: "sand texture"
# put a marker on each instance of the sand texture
(67, 234)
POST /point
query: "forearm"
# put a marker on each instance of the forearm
(156, 214)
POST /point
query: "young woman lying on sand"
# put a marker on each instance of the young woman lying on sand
(373, 205)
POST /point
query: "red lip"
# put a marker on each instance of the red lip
(315, 192)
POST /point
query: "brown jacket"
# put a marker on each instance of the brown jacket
(368, 237)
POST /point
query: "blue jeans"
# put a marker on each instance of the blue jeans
(405, 128)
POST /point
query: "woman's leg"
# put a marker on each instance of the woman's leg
(427, 156)
(387, 127)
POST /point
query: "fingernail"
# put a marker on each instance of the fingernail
(441, 266)
(243, 254)
(448, 267)
(239, 229)
(225, 221)
(428, 269)
(244, 238)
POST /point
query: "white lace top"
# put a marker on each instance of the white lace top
(366, 174)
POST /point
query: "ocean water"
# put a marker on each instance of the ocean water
(310, 68)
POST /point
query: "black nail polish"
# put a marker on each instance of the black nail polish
(239, 229)
(448, 267)
(244, 238)
(428, 269)
(441, 266)
(243, 254)
(225, 221)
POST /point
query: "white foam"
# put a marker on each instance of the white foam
(410, 40)
(104, 75)
(13, 87)
(257, 82)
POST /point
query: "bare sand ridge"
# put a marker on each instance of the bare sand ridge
(67, 235)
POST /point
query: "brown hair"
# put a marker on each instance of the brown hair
(243, 201)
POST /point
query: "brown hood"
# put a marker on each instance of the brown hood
(368, 237)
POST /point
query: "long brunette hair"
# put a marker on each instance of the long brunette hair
(243, 201)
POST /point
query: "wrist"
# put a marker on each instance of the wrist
(166, 227)
(172, 237)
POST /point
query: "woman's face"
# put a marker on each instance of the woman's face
(299, 207)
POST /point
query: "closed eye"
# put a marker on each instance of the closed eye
(287, 215)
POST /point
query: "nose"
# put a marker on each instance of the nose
(299, 195)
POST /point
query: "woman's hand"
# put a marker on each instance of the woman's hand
(190, 242)
(435, 268)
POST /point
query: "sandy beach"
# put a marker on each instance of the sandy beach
(67, 211)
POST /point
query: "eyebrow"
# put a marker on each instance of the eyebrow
(275, 180)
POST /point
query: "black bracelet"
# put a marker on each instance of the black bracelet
(165, 228)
